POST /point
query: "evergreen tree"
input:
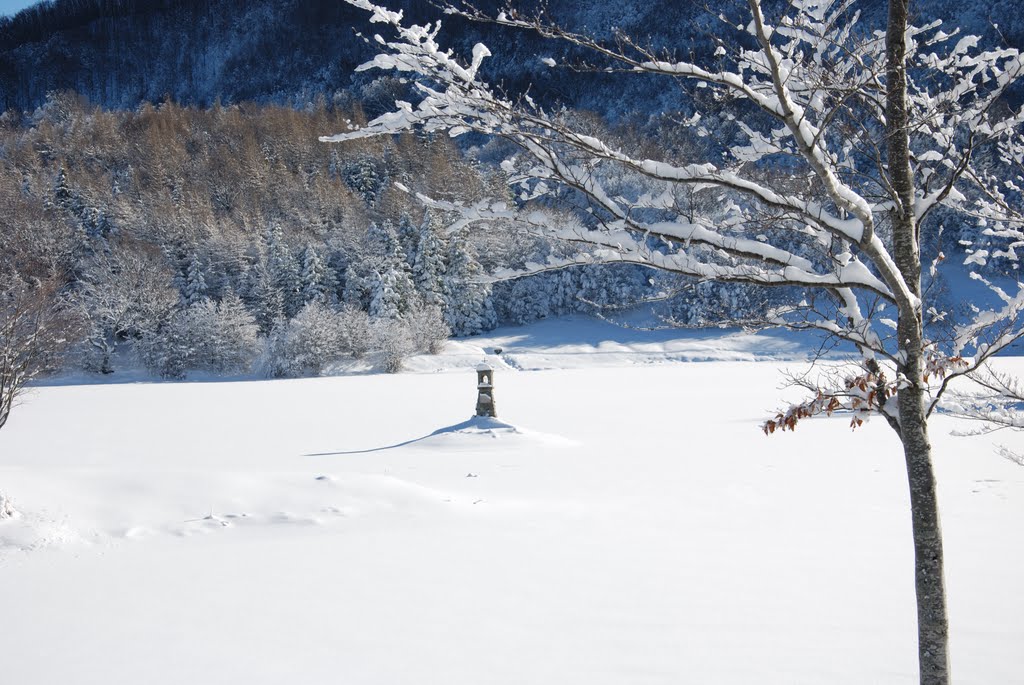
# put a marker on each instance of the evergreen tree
(382, 243)
(283, 271)
(358, 287)
(313, 278)
(527, 299)
(178, 255)
(392, 295)
(91, 226)
(195, 290)
(367, 177)
(408, 238)
(334, 274)
(428, 268)
(264, 298)
(64, 197)
(469, 309)
(391, 286)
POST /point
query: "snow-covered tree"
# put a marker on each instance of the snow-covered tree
(394, 343)
(994, 402)
(232, 341)
(429, 330)
(208, 336)
(313, 278)
(388, 298)
(264, 298)
(852, 140)
(468, 308)
(408, 238)
(195, 290)
(122, 296)
(283, 270)
(428, 267)
(525, 299)
(391, 287)
(314, 338)
(358, 286)
(356, 333)
(35, 329)
(92, 225)
(366, 176)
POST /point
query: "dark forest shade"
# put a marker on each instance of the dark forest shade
(118, 53)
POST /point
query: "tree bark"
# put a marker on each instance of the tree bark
(932, 618)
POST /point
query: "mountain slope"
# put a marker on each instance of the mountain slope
(119, 53)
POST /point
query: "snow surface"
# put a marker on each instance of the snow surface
(624, 521)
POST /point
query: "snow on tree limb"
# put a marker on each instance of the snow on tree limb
(823, 85)
(858, 139)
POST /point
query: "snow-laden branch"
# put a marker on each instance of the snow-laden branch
(995, 401)
(627, 240)
(822, 88)
(458, 103)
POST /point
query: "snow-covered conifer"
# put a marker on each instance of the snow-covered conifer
(195, 283)
(358, 286)
(391, 287)
(264, 298)
(408, 238)
(468, 309)
(428, 268)
(366, 176)
(283, 269)
(313, 278)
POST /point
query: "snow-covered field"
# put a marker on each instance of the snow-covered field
(629, 524)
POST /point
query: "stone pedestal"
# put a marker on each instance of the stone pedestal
(485, 391)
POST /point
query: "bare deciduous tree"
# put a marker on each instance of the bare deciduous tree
(852, 142)
(34, 330)
(123, 294)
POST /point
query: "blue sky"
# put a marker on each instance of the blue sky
(12, 6)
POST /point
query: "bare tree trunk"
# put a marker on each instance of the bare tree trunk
(932, 619)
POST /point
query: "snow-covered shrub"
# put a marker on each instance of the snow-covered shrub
(356, 331)
(7, 509)
(428, 328)
(393, 341)
(120, 296)
(306, 344)
(218, 337)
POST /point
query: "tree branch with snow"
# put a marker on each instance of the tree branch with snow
(851, 140)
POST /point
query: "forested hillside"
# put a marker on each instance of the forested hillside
(175, 225)
(160, 161)
(120, 53)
